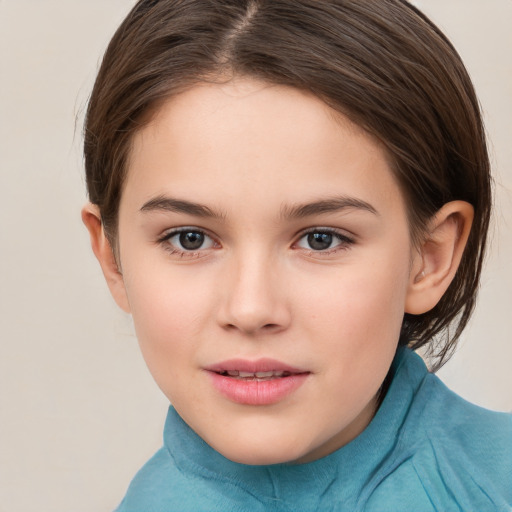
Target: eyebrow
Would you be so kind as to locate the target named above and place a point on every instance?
(329, 205)
(169, 204)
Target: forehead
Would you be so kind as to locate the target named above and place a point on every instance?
(248, 139)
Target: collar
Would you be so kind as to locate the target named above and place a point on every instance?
(351, 465)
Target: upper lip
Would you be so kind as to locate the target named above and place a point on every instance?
(259, 365)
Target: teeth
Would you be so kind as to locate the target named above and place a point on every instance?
(255, 375)
(262, 375)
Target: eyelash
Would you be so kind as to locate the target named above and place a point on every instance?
(183, 253)
(344, 242)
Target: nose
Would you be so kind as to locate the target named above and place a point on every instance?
(253, 297)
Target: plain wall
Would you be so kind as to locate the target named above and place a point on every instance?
(79, 411)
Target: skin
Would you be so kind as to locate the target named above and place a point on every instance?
(252, 154)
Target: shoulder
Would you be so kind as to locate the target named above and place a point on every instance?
(467, 437)
(450, 422)
(157, 475)
(454, 454)
(438, 414)
(161, 485)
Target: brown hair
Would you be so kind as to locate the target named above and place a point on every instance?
(380, 62)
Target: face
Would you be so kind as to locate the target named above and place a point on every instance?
(265, 256)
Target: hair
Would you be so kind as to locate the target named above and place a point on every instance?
(381, 63)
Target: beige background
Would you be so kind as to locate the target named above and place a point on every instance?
(79, 412)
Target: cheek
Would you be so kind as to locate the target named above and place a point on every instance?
(358, 298)
(356, 318)
(169, 311)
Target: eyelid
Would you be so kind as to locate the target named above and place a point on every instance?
(344, 238)
(172, 232)
(183, 229)
(342, 233)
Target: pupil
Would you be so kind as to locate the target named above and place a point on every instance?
(319, 241)
(191, 240)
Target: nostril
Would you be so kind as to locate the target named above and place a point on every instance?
(271, 328)
(266, 328)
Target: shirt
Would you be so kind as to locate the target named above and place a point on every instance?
(426, 449)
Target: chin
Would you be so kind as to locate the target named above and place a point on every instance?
(259, 454)
(258, 458)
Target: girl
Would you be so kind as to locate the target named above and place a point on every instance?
(288, 197)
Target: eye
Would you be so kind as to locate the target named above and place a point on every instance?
(188, 240)
(323, 240)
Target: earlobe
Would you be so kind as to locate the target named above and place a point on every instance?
(103, 251)
(437, 259)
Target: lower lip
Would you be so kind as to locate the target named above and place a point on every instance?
(257, 392)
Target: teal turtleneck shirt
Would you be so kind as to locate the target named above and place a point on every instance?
(425, 450)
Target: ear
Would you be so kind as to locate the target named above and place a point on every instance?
(103, 251)
(437, 259)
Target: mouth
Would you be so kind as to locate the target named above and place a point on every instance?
(262, 382)
(257, 376)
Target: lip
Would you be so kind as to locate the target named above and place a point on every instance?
(259, 365)
(256, 392)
